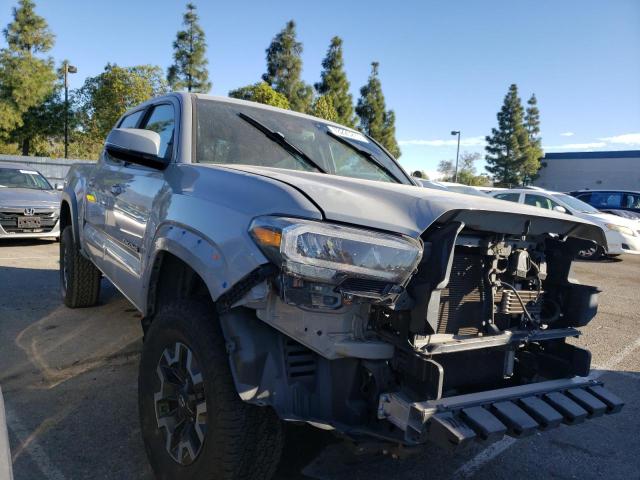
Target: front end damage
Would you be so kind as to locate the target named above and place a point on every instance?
(471, 344)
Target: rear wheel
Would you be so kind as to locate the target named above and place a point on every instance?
(193, 423)
(79, 278)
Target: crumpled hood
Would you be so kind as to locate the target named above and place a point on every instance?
(29, 198)
(410, 210)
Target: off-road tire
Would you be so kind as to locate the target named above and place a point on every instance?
(82, 285)
(242, 441)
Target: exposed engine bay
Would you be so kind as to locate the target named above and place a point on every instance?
(482, 312)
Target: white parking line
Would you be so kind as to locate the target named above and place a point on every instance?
(469, 468)
(25, 258)
(492, 451)
(37, 454)
(615, 360)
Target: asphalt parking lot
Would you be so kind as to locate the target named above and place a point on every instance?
(69, 381)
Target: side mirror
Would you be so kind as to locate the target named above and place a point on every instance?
(135, 145)
(58, 187)
(559, 208)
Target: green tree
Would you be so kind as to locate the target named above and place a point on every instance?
(261, 92)
(467, 173)
(26, 80)
(189, 70)
(333, 82)
(534, 154)
(42, 129)
(508, 145)
(284, 68)
(375, 120)
(323, 108)
(447, 169)
(105, 97)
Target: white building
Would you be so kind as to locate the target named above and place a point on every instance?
(616, 170)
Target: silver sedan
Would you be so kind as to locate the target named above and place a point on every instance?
(29, 205)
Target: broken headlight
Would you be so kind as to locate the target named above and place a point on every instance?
(326, 252)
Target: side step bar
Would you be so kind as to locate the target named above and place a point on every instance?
(515, 411)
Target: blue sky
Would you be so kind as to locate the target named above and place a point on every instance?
(443, 65)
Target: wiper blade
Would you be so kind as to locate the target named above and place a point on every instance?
(368, 155)
(280, 139)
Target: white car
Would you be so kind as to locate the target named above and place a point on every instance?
(623, 235)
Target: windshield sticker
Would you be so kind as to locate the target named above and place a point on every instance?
(343, 132)
(29, 172)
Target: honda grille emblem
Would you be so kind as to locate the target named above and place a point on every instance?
(29, 212)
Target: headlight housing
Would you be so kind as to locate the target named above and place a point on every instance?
(620, 229)
(328, 253)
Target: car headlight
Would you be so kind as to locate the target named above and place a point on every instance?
(328, 252)
(621, 229)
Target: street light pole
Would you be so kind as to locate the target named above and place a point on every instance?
(67, 69)
(455, 175)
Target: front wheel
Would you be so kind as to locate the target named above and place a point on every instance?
(592, 253)
(194, 424)
(79, 278)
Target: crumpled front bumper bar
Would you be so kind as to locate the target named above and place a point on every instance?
(515, 411)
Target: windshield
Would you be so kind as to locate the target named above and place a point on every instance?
(575, 204)
(18, 178)
(223, 136)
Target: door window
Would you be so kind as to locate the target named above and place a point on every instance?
(162, 121)
(606, 199)
(131, 121)
(511, 197)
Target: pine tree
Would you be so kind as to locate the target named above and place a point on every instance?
(375, 120)
(532, 124)
(284, 68)
(189, 70)
(389, 134)
(25, 79)
(334, 83)
(508, 145)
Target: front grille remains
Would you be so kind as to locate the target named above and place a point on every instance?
(364, 285)
(462, 301)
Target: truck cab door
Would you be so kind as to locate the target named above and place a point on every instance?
(102, 187)
(135, 193)
(99, 202)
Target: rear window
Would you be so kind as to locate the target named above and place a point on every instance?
(511, 197)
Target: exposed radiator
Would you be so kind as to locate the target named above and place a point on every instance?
(462, 301)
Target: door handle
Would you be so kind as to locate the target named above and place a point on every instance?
(116, 189)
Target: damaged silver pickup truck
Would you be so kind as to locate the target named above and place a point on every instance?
(288, 269)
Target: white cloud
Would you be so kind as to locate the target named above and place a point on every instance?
(567, 134)
(626, 139)
(575, 146)
(464, 142)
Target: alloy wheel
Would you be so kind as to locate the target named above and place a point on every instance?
(180, 403)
